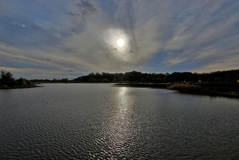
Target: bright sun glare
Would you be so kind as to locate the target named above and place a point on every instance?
(120, 42)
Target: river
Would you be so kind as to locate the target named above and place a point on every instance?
(100, 121)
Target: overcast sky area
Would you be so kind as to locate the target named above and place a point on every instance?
(70, 38)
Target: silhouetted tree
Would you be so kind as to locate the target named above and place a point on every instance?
(7, 78)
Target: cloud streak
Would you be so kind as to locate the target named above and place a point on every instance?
(64, 38)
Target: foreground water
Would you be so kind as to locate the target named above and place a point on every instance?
(98, 121)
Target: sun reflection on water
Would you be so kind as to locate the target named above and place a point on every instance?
(123, 101)
(118, 128)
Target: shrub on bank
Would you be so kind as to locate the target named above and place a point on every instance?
(191, 88)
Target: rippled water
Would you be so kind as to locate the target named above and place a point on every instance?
(98, 121)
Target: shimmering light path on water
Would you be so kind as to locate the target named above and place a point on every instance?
(98, 121)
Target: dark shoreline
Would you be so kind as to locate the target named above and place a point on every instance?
(194, 88)
(146, 85)
(17, 87)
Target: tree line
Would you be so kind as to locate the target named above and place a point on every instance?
(231, 76)
(214, 82)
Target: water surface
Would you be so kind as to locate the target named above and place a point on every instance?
(99, 121)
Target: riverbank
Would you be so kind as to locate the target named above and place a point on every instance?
(147, 85)
(211, 89)
(18, 87)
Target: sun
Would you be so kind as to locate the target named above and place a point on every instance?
(120, 42)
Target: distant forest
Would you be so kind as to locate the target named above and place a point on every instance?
(231, 76)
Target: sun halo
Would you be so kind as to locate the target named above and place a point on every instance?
(120, 42)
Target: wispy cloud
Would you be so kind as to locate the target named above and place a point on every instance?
(70, 37)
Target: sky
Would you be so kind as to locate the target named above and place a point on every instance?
(70, 38)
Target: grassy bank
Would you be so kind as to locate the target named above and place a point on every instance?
(212, 89)
(147, 85)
